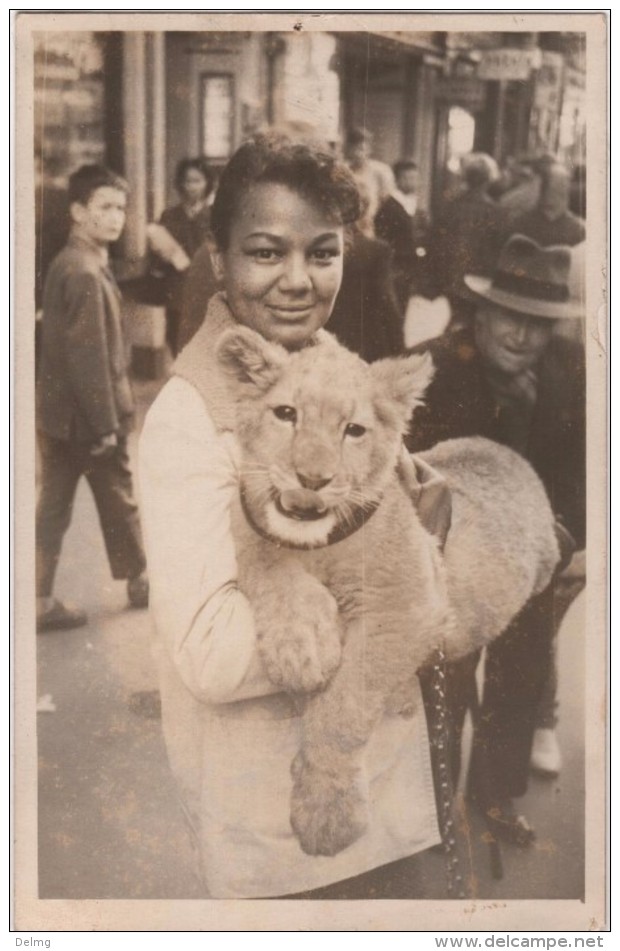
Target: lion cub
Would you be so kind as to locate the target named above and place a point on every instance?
(350, 593)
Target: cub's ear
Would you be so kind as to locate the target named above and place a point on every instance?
(401, 385)
(250, 359)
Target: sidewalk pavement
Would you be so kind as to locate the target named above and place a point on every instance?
(110, 825)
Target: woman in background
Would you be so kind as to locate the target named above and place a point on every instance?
(188, 224)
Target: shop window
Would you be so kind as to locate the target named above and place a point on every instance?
(69, 98)
(217, 115)
(461, 133)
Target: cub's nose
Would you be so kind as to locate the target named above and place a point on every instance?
(313, 482)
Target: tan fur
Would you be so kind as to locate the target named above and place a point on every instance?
(347, 625)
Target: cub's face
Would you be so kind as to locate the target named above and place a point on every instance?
(320, 431)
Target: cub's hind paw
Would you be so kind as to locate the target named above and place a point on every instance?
(329, 810)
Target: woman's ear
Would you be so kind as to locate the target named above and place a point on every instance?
(250, 359)
(77, 212)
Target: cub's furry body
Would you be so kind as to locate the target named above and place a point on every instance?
(345, 624)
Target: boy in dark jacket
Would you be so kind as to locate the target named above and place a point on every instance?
(84, 402)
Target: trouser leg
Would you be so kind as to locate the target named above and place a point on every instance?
(60, 472)
(112, 486)
(547, 717)
(517, 669)
(564, 593)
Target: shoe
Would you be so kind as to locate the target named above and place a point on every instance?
(503, 822)
(546, 757)
(138, 591)
(61, 617)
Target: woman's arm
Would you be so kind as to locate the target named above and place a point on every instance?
(187, 481)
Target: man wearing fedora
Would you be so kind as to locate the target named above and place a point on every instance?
(510, 378)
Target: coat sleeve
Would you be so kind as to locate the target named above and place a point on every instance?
(87, 351)
(187, 481)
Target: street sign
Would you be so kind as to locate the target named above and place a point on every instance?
(508, 63)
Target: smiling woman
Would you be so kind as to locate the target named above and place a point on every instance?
(279, 221)
(281, 269)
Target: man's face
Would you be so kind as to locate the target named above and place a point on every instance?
(510, 342)
(102, 219)
(407, 181)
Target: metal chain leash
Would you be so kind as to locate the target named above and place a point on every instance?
(440, 742)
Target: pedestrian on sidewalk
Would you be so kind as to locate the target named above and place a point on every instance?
(188, 224)
(510, 378)
(467, 237)
(406, 227)
(84, 402)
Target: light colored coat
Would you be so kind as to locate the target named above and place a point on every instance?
(230, 738)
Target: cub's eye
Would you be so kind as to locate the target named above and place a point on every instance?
(287, 414)
(355, 430)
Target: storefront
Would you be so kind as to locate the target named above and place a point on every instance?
(388, 87)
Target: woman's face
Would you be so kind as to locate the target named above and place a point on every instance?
(283, 265)
(194, 185)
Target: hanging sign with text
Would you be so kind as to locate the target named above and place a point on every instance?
(508, 63)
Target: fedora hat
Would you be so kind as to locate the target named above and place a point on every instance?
(530, 279)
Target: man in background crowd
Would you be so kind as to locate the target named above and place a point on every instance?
(510, 378)
(467, 236)
(405, 226)
(374, 178)
(550, 221)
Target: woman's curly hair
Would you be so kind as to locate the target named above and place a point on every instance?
(307, 169)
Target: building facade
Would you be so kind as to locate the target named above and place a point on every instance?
(142, 101)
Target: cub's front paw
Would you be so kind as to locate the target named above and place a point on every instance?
(329, 808)
(300, 644)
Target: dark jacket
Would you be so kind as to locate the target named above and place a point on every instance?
(190, 233)
(460, 402)
(407, 236)
(467, 239)
(567, 229)
(83, 390)
(366, 317)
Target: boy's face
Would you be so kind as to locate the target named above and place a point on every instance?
(103, 218)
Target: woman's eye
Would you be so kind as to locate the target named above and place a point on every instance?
(264, 254)
(355, 430)
(325, 255)
(287, 414)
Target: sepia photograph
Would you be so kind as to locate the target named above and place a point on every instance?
(310, 444)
